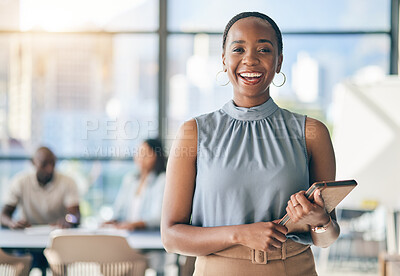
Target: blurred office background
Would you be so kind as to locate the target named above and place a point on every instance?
(92, 79)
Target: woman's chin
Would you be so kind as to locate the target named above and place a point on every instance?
(252, 92)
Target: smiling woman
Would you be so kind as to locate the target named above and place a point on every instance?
(234, 172)
(251, 59)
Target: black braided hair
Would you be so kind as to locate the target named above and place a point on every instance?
(242, 15)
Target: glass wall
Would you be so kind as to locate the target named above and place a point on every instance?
(324, 43)
(80, 78)
(290, 15)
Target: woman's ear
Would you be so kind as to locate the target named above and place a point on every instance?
(223, 63)
(280, 60)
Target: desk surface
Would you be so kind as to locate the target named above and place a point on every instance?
(40, 239)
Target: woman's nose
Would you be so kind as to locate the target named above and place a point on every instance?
(250, 58)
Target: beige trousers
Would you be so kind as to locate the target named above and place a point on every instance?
(289, 262)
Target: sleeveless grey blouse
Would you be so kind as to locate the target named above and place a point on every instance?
(249, 162)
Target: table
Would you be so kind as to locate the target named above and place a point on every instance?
(25, 239)
(36, 239)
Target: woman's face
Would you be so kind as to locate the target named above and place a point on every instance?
(145, 158)
(251, 57)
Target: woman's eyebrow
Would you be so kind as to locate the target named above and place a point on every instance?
(237, 42)
(263, 40)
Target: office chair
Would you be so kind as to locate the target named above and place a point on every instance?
(94, 255)
(14, 265)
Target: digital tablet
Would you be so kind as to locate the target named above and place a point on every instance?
(333, 192)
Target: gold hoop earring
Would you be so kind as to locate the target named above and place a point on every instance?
(284, 80)
(219, 81)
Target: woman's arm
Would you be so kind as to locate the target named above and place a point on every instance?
(150, 207)
(177, 234)
(123, 196)
(322, 167)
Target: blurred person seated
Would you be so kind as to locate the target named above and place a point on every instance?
(139, 200)
(44, 195)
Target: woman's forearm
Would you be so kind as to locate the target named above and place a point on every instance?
(328, 237)
(197, 241)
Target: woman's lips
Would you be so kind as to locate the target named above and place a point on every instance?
(250, 78)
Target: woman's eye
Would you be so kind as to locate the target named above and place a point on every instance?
(237, 50)
(264, 50)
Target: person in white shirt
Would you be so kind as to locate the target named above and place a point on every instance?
(44, 195)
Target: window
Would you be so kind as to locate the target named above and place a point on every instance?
(83, 77)
(324, 43)
(290, 15)
(83, 81)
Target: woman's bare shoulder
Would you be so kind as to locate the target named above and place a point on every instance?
(188, 130)
(317, 136)
(185, 144)
(315, 129)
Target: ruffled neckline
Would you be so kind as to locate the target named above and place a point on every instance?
(250, 113)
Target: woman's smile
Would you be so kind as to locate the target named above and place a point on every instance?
(250, 78)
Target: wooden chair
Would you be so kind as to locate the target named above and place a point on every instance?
(14, 265)
(106, 255)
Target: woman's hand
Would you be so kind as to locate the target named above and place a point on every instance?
(125, 225)
(131, 226)
(266, 236)
(109, 223)
(299, 208)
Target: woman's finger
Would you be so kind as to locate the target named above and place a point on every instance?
(318, 198)
(275, 243)
(292, 212)
(294, 201)
(303, 200)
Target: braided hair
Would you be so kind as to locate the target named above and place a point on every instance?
(242, 15)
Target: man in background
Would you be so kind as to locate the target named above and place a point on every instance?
(44, 195)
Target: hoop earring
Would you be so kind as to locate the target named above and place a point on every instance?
(219, 81)
(284, 80)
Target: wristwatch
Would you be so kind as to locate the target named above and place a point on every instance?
(321, 229)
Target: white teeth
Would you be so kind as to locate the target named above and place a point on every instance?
(251, 75)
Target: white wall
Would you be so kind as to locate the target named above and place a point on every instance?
(366, 138)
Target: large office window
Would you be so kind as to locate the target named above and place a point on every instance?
(324, 43)
(81, 78)
(290, 15)
(91, 79)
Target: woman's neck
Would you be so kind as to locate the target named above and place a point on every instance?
(142, 182)
(243, 101)
(144, 174)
